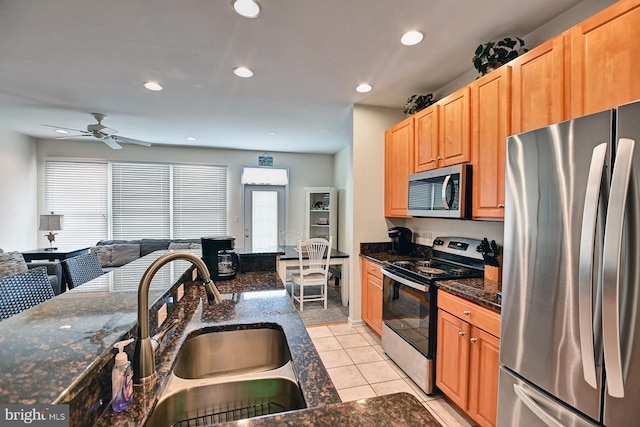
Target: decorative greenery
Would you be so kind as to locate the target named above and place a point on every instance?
(492, 55)
(416, 103)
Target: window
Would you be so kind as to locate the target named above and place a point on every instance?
(79, 191)
(146, 200)
(140, 200)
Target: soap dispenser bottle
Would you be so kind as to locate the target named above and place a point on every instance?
(121, 379)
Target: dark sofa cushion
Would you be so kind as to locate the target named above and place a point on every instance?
(151, 245)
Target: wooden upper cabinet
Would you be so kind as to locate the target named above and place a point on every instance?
(605, 59)
(454, 129)
(539, 94)
(491, 124)
(426, 138)
(398, 165)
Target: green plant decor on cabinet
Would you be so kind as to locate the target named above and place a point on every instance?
(416, 103)
(492, 55)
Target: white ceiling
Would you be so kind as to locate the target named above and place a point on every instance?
(61, 60)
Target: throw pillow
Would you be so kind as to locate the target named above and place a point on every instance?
(12, 263)
(151, 245)
(124, 254)
(104, 254)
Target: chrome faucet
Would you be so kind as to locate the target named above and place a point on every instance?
(144, 367)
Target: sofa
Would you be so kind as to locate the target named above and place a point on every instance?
(115, 253)
(13, 263)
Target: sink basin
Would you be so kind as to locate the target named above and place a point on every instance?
(216, 403)
(236, 352)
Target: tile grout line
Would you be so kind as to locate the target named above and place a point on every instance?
(423, 398)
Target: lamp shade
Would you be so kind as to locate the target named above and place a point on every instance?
(51, 222)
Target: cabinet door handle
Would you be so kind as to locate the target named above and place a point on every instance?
(431, 161)
(466, 312)
(501, 206)
(473, 340)
(439, 158)
(461, 333)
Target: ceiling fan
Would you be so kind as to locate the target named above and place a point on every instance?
(101, 132)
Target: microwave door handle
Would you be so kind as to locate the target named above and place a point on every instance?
(585, 271)
(445, 184)
(613, 239)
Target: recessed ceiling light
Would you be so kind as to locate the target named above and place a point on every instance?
(364, 88)
(62, 131)
(155, 86)
(191, 138)
(273, 132)
(247, 8)
(243, 72)
(411, 37)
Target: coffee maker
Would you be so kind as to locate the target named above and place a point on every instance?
(218, 256)
(400, 240)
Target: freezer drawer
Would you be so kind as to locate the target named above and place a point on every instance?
(520, 404)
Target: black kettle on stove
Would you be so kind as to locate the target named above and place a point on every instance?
(400, 241)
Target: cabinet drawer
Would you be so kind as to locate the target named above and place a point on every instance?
(480, 317)
(372, 268)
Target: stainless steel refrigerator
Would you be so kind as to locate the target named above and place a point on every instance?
(570, 337)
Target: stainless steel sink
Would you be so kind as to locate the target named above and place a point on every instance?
(229, 401)
(224, 353)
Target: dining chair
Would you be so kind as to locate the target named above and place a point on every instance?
(80, 269)
(313, 255)
(23, 291)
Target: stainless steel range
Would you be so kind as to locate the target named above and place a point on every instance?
(409, 304)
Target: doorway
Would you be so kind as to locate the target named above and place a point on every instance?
(264, 215)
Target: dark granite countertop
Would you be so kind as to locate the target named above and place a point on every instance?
(62, 350)
(291, 252)
(399, 409)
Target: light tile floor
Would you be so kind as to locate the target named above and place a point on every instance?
(359, 369)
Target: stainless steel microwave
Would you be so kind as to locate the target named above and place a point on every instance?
(441, 193)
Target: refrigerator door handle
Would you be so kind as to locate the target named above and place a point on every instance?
(536, 408)
(445, 184)
(585, 272)
(613, 240)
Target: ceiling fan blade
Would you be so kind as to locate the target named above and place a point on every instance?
(111, 143)
(131, 141)
(71, 136)
(62, 127)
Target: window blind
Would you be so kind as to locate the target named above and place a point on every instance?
(147, 200)
(78, 190)
(199, 201)
(140, 200)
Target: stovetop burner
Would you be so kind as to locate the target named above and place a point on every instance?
(459, 271)
(430, 271)
(404, 264)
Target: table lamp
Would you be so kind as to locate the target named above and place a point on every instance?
(51, 223)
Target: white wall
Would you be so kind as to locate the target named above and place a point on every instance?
(367, 220)
(18, 207)
(305, 170)
(343, 182)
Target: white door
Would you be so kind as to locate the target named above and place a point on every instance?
(264, 215)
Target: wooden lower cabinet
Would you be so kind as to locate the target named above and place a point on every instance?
(467, 359)
(372, 295)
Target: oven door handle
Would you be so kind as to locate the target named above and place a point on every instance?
(404, 281)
